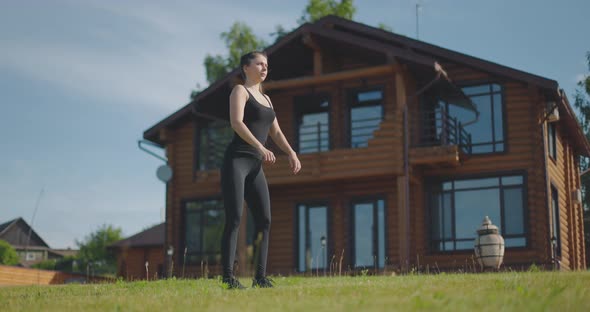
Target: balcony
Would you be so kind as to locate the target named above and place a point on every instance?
(375, 152)
(438, 138)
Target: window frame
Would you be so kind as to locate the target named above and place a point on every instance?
(552, 141)
(351, 240)
(555, 221)
(329, 239)
(183, 239)
(200, 125)
(502, 92)
(298, 112)
(428, 197)
(352, 102)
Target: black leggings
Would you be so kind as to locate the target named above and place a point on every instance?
(242, 177)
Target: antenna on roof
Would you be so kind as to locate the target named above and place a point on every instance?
(32, 221)
(418, 7)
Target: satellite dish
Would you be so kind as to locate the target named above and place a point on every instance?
(164, 173)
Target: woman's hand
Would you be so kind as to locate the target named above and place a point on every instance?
(267, 156)
(294, 163)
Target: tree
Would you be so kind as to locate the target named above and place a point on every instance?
(93, 250)
(8, 255)
(239, 40)
(279, 32)
(385, 27)
(582, 103)
(317, 9)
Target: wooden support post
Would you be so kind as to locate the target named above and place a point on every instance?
(403, 240)
(403, 181)
(309, 41)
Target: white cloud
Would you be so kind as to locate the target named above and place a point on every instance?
(579, 77)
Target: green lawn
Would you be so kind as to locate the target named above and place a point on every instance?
(538, 291)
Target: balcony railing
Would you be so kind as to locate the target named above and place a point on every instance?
(314, 138)
(438, 128)
(361, 131)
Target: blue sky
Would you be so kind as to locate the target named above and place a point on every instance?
(81, 80)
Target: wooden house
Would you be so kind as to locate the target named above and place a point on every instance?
(405, 148)
(141, 256)
(29, 246)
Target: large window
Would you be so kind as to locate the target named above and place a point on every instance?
(487, 134)
(211, 140)
(312, 113)
(552, 141)
(312, 237)
(203, 228)
(555, 228)
(365, 115)
(368, 226)
(457, 208)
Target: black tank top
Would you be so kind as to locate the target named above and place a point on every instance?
(258, 119)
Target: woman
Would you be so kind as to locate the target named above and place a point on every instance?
(253, 118)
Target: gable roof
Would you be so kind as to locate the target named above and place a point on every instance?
(153, 236)
(427, 49)
(397, 46)
(5, 227)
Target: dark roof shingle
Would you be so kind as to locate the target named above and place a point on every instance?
(153, 236)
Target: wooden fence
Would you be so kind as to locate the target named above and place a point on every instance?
(10, 275)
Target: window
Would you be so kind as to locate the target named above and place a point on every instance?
(365, 115)
(30, 256)
(312, 123)
(204, 222)
(555, 228)
(368, 226)
(212, 139)
(552, 141)
(312, 237)
(457, 208)
(487, 134)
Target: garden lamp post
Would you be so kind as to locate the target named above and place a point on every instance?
(170, 252)
(323, 243)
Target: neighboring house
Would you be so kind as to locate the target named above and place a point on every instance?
(29, 246)
(134, 251)
(405, 148)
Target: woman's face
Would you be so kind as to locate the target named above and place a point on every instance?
(257, 69)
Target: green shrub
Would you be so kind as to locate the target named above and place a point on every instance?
(8, 255)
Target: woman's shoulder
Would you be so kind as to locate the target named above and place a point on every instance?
(240, 90)
(239, 87)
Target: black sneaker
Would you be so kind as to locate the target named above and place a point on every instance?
(233, 283)
(263, 282)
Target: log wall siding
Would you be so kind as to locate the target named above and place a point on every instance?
(13, 276)
(339, 163)
(131, 263)
(564, 176)
(331, 176)
(524, 152)
(338, 197)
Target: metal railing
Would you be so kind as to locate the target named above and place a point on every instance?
(438, 128)
(361, 130)
(314, 138)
